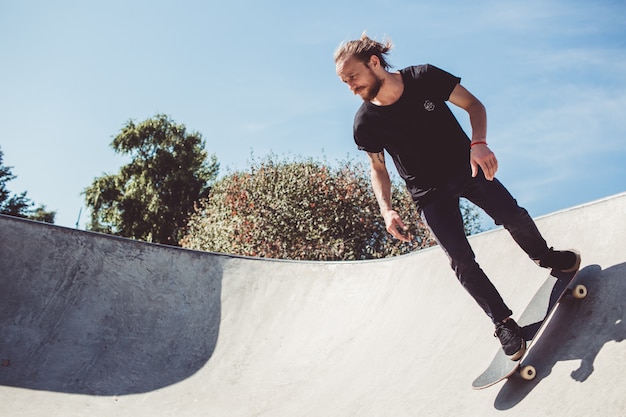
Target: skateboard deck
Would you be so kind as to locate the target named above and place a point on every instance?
(532, 320)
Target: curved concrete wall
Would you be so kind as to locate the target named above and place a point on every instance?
(98, 325)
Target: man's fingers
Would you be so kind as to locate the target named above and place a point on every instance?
(487, 162)
(490, 167)
(397, 228)
(401, 224)
(487, 170)
(400, 236)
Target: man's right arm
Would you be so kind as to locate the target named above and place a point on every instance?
(381, 183)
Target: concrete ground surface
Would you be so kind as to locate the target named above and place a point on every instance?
(93, 325)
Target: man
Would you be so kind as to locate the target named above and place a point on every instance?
(405, 113)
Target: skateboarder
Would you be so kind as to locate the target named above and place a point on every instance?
(405, 113)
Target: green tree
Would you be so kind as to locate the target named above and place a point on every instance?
(151, 197)
(301, 210)
(19, 205)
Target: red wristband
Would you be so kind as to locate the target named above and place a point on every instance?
(477, 143)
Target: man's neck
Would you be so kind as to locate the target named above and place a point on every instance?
(390, 91)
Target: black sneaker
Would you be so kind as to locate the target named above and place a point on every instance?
(561, 260)
(510, 336)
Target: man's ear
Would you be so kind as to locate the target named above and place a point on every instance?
(374, 62)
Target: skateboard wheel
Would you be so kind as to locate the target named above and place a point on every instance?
(528, 372)
(579, 291)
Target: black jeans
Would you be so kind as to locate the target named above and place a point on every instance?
(442, 215)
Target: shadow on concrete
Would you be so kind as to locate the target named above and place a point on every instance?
(105, 316)
(578, 331)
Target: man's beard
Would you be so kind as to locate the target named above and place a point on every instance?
(370, 93)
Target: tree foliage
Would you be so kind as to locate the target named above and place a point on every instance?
(300, 210)
(19, 205)
(151, 197)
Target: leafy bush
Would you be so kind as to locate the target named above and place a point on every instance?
(292, 209)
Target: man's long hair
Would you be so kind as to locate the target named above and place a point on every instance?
(362, 49)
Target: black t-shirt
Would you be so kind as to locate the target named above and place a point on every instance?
(426, 142)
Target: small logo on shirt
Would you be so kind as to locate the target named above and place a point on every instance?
(429, 105)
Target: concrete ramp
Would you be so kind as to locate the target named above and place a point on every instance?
(93, 325)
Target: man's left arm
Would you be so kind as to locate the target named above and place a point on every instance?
(480, 155)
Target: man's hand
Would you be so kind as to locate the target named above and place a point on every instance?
(396, 226)
(482, 156)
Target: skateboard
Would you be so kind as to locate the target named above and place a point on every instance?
(532, 322)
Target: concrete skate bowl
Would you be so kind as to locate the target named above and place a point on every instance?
(91, 314)
(98, 325)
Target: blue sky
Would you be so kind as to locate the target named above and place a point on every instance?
(258, 77)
